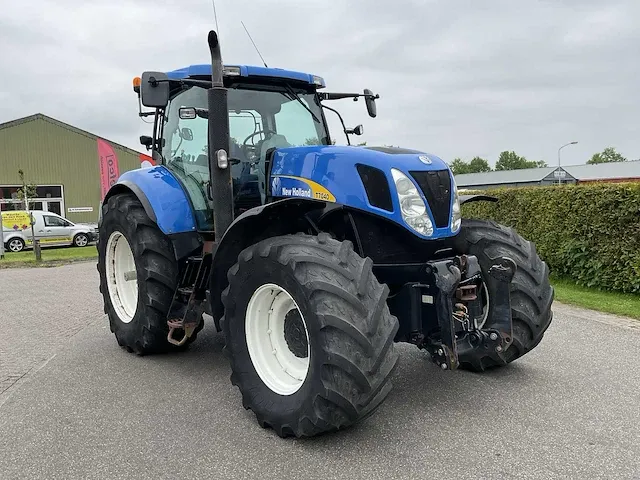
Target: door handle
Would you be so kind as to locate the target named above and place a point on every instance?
(47, 230)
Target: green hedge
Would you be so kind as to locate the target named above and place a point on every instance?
(588, 232)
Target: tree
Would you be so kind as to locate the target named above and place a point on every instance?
(316, 141)
(513, 161)
(26, 192)
(608, 155)
(476, 165)
(479, 165)
(459, 166)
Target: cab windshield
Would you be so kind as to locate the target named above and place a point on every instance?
(259, 120)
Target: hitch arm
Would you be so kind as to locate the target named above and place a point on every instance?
(495, 335)
(446, 276)
(498, 285)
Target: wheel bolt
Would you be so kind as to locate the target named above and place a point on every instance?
(444, 366)
(440, 352)
(498, 349)
(493, 336)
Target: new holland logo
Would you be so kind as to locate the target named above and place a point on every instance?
(425, 159)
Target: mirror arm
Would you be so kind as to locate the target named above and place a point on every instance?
(344, 127)
(181, 82)
(340, 96)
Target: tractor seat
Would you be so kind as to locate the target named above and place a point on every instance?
(274, 141)
(202, 160)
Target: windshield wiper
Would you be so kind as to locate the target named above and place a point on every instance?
(295, 95)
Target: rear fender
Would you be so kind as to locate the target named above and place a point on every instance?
(164, 201)
(281, 217)
(162, 197)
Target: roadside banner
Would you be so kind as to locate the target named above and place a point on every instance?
(12, 220)
(109, 172)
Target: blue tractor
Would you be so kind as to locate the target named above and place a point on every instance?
(312, 259)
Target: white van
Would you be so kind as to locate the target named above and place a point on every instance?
(49, 228)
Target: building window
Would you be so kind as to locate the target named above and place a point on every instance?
(49, 198)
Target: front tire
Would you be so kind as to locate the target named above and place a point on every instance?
(531, 293)
(340, 330)
(138, 275)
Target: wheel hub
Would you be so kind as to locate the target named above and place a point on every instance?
(295, 334)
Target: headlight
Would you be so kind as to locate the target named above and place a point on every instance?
(412, 207)
(456, 212)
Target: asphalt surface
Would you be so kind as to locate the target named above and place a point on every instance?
(75, 405)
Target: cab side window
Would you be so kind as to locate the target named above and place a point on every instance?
(51, 221)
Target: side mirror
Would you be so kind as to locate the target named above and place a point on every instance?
(154, 89)
(186, 134)
(370, 101)
(359, 130)
(187, 113)
(146, 140)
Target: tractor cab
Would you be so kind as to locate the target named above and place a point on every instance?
(267, 109)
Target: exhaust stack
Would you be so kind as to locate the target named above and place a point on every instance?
(220, 188)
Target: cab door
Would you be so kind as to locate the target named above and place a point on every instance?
(57, 230)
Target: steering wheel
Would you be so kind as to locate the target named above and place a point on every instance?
(251, 151)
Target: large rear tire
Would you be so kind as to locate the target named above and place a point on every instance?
(531, 293)
(138, 274)
(312, 306)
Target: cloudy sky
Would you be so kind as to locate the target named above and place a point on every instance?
(456, 78)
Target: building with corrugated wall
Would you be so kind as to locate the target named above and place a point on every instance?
(529, 177)
(70, 167)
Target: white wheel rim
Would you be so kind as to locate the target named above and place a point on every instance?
(15, 245)
(81, 240)
(277, 366)
(122, 283)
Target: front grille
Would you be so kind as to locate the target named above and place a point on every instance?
(436, 186)
(376, 185)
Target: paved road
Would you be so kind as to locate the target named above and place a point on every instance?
(75, 405)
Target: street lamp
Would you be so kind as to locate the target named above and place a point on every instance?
(565, 145)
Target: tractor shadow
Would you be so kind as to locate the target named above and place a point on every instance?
(423, 395)
(426, 398)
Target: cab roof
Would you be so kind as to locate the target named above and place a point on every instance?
(200, 70)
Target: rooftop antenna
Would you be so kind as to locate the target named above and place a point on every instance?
(215, 16)
(254, 44)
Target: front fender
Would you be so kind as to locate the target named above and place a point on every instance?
(162, 196)
(281, 217)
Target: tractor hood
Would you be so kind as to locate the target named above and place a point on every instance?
(361, 177)
(293, 159)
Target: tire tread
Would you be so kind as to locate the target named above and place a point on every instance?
(356, 330)
(531, 292)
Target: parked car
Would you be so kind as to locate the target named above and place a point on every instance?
(49, 228)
